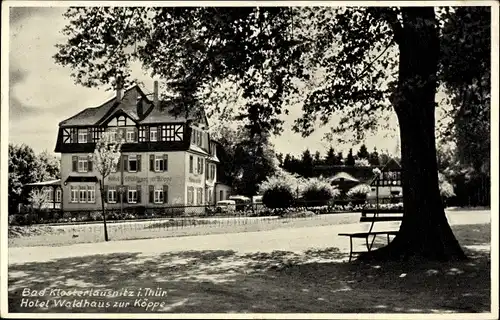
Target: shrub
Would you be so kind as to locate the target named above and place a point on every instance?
(319, 192)
(445, 187)
(359, 193)
(277, 191)
(279, 197)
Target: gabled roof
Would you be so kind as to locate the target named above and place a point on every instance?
(133, 98)
(392, 165)
(345, 176)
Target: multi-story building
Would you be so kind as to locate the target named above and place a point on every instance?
(167, 159)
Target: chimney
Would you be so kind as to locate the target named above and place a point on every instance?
(155, 94)
(119, 88)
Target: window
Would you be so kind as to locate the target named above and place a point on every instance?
(111, 194)
(114, 135)
(132, 195)
(159, 164)
(130, 135)
(190, 164)
(83, 194)
(190, 196)
(158, 197)
(48, 194)
(82, 135)
(83, 164)
(211, 175)
(153, 134)
(199, 195)
(132, 163)
(209, 196)
(200, 165)
(91, 194)
(121, 121)
(221, 195)
(58, 195)
(170, 133)
(193, 136)
(142, 134)
(74, 194)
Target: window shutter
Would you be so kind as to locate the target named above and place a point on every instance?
(138, 163)
(105, 194)
(151, 162)
(126, 194)
(74, 138)
(138, 194)
(90, 164)
(151, 194)
(147, 138)
(89, 135)
(136, 136)
(165, 194)
(75, 163)
(165, 162)
(207, 171)
(125, 163)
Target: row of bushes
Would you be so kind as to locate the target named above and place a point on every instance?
(278, 192)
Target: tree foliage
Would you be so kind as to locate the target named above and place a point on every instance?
(37, 198)
(465, 74)
(27, 167)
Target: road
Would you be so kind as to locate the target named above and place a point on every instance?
(286, 239)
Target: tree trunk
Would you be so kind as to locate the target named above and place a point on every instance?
(106, 238)
(424, 232)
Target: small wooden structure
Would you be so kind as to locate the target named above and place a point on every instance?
(389, 176)
(53, 190)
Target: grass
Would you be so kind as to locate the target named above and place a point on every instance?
(207, 281)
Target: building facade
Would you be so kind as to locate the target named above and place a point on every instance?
(167, 159)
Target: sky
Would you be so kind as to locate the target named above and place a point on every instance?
(42, 94)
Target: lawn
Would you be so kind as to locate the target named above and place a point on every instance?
(256, 281)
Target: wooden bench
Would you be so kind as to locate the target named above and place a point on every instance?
(371, 215)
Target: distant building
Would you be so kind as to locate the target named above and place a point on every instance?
(346, 177)
(166, 159)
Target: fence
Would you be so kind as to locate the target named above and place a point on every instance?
(298, 208)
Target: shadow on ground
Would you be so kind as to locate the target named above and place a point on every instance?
(280, 281)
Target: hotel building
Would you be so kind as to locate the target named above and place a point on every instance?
(166, 159)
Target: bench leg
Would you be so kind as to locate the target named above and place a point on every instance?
(350, 251)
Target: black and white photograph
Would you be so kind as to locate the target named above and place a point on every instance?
(262, 159)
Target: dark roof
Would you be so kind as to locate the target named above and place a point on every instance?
(81, 179)
(392, 165)
(165, 113)
(134, 104)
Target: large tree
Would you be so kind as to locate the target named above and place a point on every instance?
(27, 167)
(363, 63)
